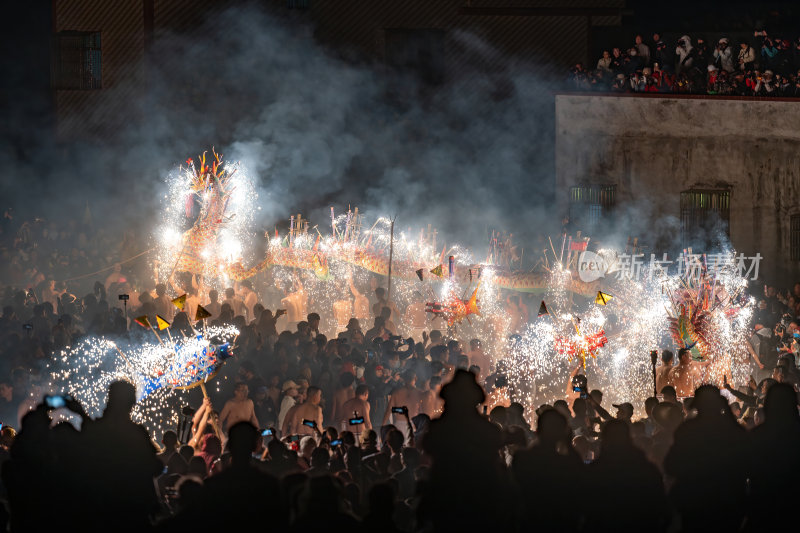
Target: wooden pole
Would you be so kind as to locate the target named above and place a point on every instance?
(214, 421)
(391, 254)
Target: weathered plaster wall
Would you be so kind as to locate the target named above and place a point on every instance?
(653, 148)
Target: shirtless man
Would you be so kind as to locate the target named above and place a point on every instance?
(308, 410)
(360, 303)
(415, 317)
(295, 303)
(115, 276)
(164, 307)
(51, 294)
(236, 303)
(431, 404)
(687, 375)
(479, 358)
(342, 309)
(390, 326)
(250, 298)
(213, 306)
(406, 395)
(192, 301)
(663, 371)
(342, 395)
(383, 301)
(355, 407)
(238, 409)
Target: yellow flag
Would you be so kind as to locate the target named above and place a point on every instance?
(201, 313)
(179, 302)
(162, 324)
(602, 298)
(437, 271)
(142, 321)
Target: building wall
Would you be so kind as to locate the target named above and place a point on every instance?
(549, 33)
(652, 148)
(99, 112)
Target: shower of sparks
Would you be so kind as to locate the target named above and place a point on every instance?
(222, 217)
(635, 322)
(86, 370)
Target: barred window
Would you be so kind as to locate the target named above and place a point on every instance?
(794, 237)
(705, 216)
(590, 204)
(77, 60)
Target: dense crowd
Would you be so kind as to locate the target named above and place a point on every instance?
(369, 428)
(764, 65)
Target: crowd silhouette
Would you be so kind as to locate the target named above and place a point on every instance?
(465, 474)
(373, 431)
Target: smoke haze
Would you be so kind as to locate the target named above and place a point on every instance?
(472, 153)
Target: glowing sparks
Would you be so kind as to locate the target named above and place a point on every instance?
(86, 370)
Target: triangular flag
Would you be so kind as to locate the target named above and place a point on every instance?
(543, 309)
(143, 321)
(201, 313)
(162, 324)
(180, 302)
(602, 298)
(437, 271)
(419, 274)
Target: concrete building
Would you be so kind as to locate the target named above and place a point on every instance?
(670, 168)
(102, 50)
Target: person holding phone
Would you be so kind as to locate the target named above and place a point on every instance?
(355, 407)
(407, 395)
(310, 410)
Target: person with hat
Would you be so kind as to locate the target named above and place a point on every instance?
(624, 411)
(723, 56)
(465, 488)
(289, 392)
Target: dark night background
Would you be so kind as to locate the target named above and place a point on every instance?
(467, 145)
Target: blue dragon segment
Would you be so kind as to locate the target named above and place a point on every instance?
(191, 364)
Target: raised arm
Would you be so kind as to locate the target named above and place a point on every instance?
(194, 442)
(198, 415)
